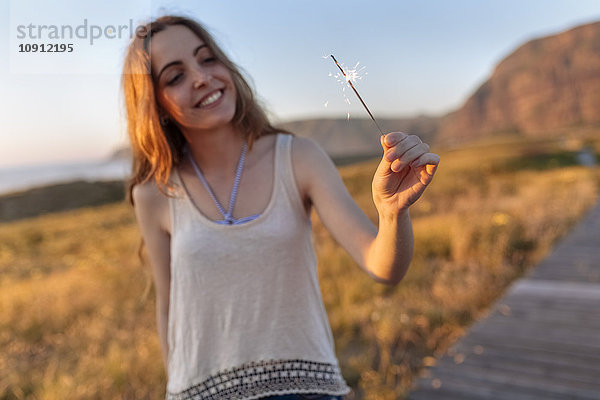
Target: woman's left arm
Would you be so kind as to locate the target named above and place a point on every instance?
(404, 172)
(406, 169)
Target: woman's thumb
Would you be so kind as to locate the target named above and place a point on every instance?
(385, 166)
(382, 140)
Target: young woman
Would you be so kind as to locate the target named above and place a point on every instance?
(223, 201)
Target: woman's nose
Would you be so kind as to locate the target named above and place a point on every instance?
(200, 77)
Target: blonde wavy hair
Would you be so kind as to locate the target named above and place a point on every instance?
(157, 148)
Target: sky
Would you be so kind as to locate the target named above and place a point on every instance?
(419, 57)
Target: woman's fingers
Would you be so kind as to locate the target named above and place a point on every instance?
(403, 155)
(401, 150)
(429, 160)
(388, 143)
(397, 143)
(393, 138)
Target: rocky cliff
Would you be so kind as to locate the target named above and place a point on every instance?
(545, 87)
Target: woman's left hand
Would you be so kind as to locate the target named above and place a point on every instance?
(405, 171)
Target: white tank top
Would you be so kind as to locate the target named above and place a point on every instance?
(246, 317)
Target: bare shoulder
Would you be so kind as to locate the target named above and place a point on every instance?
(308, 154)
(151, 204)
(147, 194)
(312, 166)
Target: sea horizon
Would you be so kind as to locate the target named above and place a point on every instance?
(20, 178)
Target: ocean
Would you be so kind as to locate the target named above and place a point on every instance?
(14, 179)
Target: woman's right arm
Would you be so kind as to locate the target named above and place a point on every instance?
(152, 214)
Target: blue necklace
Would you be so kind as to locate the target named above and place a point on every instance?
(227, 215)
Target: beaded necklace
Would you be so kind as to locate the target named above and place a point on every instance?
(227, 215)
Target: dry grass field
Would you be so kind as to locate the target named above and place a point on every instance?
(77, 307)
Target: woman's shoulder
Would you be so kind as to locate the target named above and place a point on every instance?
(151, 203)
(308, 155)
(305, 145)
(310, 163)
(146, 193)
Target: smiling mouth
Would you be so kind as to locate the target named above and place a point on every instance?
(210, 99)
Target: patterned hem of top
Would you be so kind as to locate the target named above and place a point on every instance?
(265, 378)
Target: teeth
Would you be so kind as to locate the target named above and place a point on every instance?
(211, 99)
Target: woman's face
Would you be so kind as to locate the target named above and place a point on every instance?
(192, 86)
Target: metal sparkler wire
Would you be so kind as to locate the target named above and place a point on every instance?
(357, 95)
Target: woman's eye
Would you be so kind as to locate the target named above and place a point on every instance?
(174, 79)
(208, 60)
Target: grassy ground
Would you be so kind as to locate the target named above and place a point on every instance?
(77, 308)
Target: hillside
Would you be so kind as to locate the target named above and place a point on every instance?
(344, 138)
(547, 86)
(59, 197)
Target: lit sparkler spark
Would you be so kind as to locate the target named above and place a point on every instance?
(352, 76)
(348, 74)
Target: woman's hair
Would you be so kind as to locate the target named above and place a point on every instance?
(157, 148)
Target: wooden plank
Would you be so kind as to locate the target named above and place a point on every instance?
(586, 265)
(540, 341)
(544, 303)
(457, 390)
(581, 274)
(572, 246)
(582, 243)
(539, 327)
(517, 381)
(570, 290)
(565, 333)
(551, 316)
(481, 389)
(515, 374)
(574, 362)
(491, 362)
(508, 306)
(526, 344)
(569, 267)
(525, 300)
(569, 254)
(580, 277)
(545, 319)
(444, 394)
(547, 341)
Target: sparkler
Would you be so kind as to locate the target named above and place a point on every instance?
(349, 80)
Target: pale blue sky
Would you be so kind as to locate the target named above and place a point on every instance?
(421, 57)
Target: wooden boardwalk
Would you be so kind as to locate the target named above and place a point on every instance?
(542, 338)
